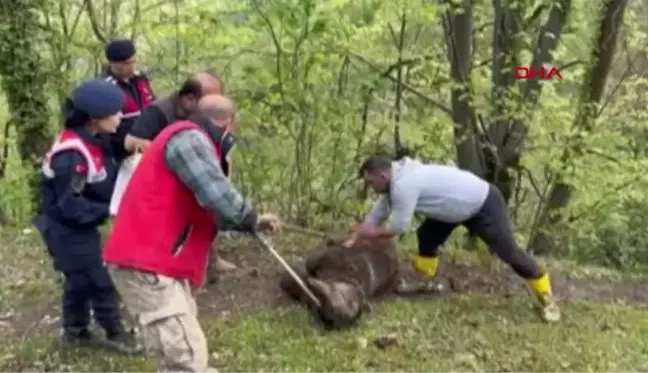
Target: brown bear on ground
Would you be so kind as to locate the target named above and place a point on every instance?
(344, 279)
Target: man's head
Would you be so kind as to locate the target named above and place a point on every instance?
(219, 109)
(377, 172)
(120, 54)
(198, 85)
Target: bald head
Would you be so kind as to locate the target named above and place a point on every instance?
(200, 84)
(210, 82)
(197, 85)
(218, 108)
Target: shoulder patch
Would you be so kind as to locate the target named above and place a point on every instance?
(81, 169)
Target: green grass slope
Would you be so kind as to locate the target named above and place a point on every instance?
(457, 333)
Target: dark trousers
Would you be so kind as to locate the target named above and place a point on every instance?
(492, 224)
(86, 289)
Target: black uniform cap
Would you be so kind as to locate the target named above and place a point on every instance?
(120, 50)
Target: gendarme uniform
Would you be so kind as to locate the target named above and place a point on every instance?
(78, 177)
(137, 89)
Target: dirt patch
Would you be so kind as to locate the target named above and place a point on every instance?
(256, 285)
(459, 278)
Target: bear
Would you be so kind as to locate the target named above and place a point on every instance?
(344, 279)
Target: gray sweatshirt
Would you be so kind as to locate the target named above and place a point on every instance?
(439, 192)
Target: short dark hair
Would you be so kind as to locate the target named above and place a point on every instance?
(191, 86)
(374, 164)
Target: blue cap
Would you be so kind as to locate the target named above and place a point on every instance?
(98, 98)
(120, 50)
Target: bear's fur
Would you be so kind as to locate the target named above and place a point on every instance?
(344, 279)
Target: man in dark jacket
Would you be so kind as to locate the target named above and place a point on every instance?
(180, 105)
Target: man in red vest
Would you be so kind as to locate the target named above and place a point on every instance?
(175, 203)
(136, 86)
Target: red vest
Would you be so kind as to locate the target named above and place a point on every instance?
(131, 109)
(70, 140)
(161, 227)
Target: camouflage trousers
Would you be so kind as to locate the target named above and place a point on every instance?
(166, 313)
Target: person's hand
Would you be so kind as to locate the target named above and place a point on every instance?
(136, 144)
(364, 230)
(349, 242)
(141, 145)
(269, 222)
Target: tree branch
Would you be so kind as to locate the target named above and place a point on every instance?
(94, 23)
(405, 86)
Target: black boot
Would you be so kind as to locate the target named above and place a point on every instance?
(79, 337)
(123, 341)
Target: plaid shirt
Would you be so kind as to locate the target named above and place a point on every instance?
(190, 155)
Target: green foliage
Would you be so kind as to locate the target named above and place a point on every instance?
(23, 80)
(316, 87)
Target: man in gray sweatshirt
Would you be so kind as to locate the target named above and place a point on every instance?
(447, 197)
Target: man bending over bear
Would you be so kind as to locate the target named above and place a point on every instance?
(447, 197)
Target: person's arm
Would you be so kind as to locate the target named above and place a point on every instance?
(379, 211)
(146, 127)
(403, 197)
(190, 155)
(70, 175)
(133, 144)
(374, 218)
(118, 139)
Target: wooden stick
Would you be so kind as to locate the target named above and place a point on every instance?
(287, 267)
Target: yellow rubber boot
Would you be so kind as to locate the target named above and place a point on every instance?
(426, 265)
(541, 287)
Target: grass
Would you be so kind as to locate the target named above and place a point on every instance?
(25, 270)
(454, 333)
(459, 333)
(27, 276)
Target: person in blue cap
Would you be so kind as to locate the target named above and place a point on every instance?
(79, 172)
(138, 92)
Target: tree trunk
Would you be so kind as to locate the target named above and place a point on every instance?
(507, 134)
(507, 29)
(23, 81)
(494, 153)
(458, 25)
(593, 88)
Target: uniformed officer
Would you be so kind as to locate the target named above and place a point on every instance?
(79, 172)
(138, 92)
